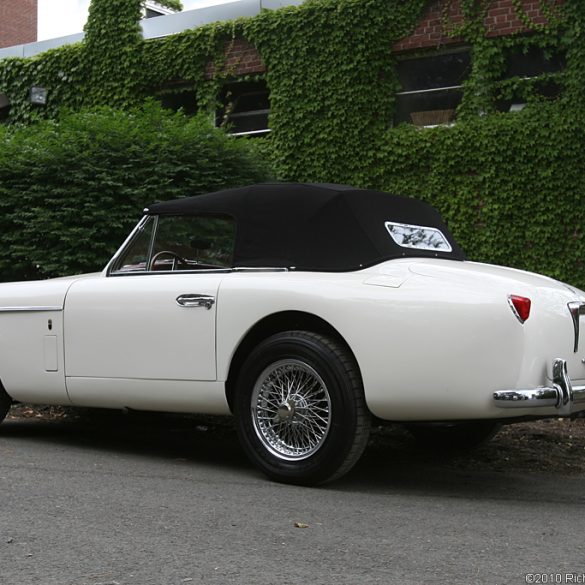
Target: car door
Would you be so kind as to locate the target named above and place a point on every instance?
(142, 328)
(151, 316)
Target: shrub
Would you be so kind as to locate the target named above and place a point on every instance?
(70, 190)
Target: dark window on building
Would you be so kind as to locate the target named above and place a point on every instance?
(246, 106)
(180, 97)
(4, 107)
(537, 69)
(432, 88)
(150, 13)
(532, 62)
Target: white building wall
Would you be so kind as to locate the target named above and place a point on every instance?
(60, 18)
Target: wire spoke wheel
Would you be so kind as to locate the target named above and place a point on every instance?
(300, 409)
(291, 409)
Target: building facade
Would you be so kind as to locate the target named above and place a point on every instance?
(473, 105)
(433, 65)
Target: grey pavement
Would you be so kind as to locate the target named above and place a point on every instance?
(161, 502)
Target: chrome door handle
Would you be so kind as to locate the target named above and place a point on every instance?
(196, 301)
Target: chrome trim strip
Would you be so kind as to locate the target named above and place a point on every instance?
(200, 271)
(514, 310)
(30, 309)
(175, 272)
(579, 394)
(526, 398)
(577, 308)
(153, 236)
(259, 269)
(562, 395)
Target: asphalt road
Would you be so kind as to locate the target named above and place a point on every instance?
(124, 501)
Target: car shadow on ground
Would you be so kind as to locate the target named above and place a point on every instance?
(208, 440)
(528, 461)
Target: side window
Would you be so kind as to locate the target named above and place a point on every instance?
(180, 243)
(135, 258)
(193, 242)
(418, 236)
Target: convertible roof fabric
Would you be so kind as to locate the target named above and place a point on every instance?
(317, 227)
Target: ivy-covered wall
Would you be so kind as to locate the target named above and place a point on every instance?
(508, 183)
(510, 186)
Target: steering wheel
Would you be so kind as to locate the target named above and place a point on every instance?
(176, 259)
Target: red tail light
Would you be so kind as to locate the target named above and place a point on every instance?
(520, 306)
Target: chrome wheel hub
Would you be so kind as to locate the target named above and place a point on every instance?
(291, 409)
(286, 411)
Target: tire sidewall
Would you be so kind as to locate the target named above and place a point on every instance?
(330, 456)
(5, 403)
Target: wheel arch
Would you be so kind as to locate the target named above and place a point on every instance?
(270, 325)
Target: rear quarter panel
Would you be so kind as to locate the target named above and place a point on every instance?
(428, 348)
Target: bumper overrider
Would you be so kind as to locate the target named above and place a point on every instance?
(562, 395)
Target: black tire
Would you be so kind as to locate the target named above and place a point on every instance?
(318, 431)
(5, 403)
(456, 436)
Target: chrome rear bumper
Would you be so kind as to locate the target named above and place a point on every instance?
(562, 395)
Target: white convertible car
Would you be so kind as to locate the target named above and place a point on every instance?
(304, 310)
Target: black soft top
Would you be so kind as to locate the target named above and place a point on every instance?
(317, 227)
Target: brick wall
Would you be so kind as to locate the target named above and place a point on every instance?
(501, 20)
(18, 22)
(241, 58)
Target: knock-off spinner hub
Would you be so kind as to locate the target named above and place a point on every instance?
(288, 410)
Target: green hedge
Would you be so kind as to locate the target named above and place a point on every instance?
(71, 190)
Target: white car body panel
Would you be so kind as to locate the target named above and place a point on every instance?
(132, 327)
(429, 349)
(182, 396)
(433, 338)
(27, 347)
(31, 339)
(130, 345)
(43, 293)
